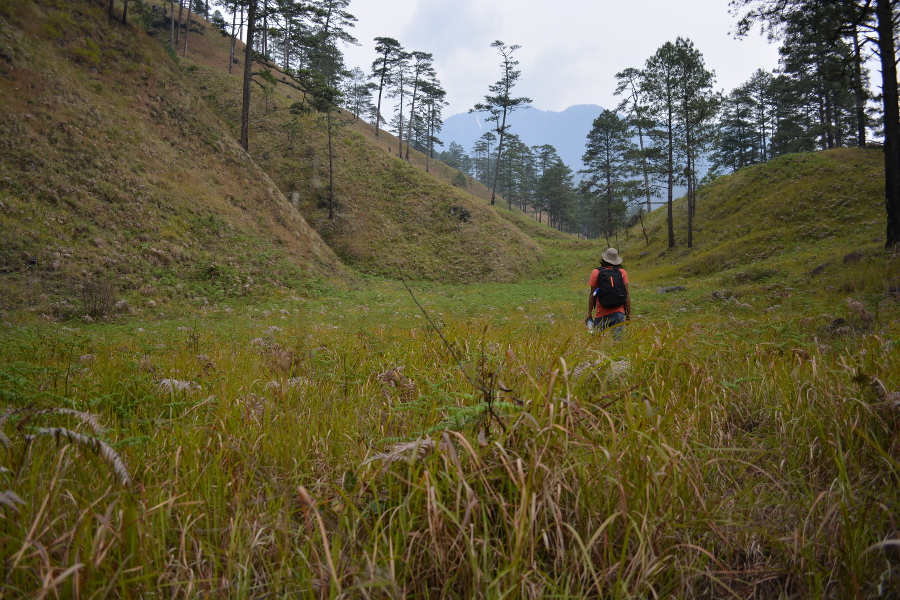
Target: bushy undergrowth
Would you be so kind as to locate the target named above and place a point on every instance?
(274, 453)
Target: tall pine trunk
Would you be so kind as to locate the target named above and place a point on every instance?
(248, 74)
(887, 52)
(690, 175)
(644, 165)
(671, 170)
(287, 47)
(762, 132)
(330, 171)
(265, 29)
(178, 29)
(429, 147)
(823, 139)
(609, 218)
(412, 115)
(187, 30)
(690, 203)
(400, 120)
(380, 89)
(499, 152)
(233, 39)
(858, 85)
(124, 12)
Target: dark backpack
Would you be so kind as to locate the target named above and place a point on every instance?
(610, 292)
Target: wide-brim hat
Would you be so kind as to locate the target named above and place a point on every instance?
(612, 256)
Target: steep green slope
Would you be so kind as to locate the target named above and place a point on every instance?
(387, 212)
(114, 175)
(803, 219)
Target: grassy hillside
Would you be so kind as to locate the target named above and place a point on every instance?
(115, 177)
(804, 220)
(334, 445)
(387, 213)
(211, 49)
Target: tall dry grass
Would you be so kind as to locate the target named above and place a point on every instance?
(709, 459)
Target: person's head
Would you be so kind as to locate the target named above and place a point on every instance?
(611, 258)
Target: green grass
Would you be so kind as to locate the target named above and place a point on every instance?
(725, 451)
(122, 175)
(776, 223)
(329, 443)
(388, 213)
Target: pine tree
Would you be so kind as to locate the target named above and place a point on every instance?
(432, 108)
(515, 172)
(632, 84)
(556, 190)
(501, 104)
(697, 108)
(661, 81)
(399, 79)
(684, 106)
(389, 51)
(845, 18)
(358, 93)
(455, 156)
(738, 138)
(545, 157)
(421, 70)
(332, 22)
(608, 164)
(482, 155)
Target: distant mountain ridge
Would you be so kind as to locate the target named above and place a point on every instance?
(566, 131)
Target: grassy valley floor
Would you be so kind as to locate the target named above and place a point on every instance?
(337, 446)
(248, 412)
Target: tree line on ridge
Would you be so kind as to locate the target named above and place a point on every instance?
(671, 129)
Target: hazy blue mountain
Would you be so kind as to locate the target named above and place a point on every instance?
(566, 131)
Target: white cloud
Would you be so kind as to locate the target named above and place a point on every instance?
(571, 49)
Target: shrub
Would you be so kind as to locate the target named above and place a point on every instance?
(98, 299)
(90, 54)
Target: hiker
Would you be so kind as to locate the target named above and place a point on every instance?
(609, 293)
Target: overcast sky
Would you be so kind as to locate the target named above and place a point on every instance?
(570, 49)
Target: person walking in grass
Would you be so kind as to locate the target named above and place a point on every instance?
(609, 295)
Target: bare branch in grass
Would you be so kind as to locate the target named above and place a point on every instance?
(487, 391)
(4, 417)
(440, 334)
(311, 503)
